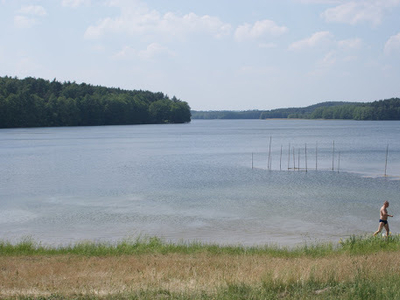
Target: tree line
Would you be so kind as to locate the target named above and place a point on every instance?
(388, 109)
(33, 102)
(226, 114)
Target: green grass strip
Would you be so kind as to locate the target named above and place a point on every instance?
(153, 245)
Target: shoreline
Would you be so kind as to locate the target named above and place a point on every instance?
(354, 245)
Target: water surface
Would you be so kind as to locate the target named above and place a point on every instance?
(210, 181)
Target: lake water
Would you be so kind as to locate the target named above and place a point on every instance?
(222, 181)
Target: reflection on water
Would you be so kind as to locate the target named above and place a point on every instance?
(196, 182)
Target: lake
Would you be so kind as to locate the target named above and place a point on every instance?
(248, 182)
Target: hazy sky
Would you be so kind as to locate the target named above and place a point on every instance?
(214, 54)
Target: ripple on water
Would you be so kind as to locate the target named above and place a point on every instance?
(16, 216)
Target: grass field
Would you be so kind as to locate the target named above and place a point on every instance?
(148, 268)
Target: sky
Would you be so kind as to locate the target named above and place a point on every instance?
(213, 54)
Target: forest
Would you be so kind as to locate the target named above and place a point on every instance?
(33, 102)
(388, 109)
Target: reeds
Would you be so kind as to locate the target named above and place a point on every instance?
(147, 268)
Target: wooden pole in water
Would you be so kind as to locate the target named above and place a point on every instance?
(288, 162)
(305, 154)
(333, 155)
(269, 153)
(387, 152)
(294, 160)
(298, 160)
(316, 156)
(280, 160)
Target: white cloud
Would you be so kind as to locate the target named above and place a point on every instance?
(350, 44)
(329, 59)
(338, 52)
(94, 32)
(28, 16)
(33, 10)
(75, 3)
(393, 44)
(317, 39)
(126, 53)
(259, 29)
(354, 12)
(137, 18)
(152, 50)
(191, 22)
(324, 66)
(24, 22)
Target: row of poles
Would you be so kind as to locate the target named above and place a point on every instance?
(292, 153)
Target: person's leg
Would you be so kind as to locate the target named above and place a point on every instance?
(379, 228)
(387, 229)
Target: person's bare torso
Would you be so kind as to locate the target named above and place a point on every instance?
(384, 215)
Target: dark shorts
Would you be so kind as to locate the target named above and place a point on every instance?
(383, 221)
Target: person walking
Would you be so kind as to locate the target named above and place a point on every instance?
(383, 221)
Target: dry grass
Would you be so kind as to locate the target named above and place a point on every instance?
(22, 276)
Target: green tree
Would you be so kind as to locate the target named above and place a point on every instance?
(180, 112)
(116, 110)
(160, 111)
(68, 113)
(37, 102)
(92, 110)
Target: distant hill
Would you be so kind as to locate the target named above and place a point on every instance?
(32, 102)
(388, 109)
(303, 112)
